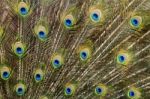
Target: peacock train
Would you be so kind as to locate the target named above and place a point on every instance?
(74, 49)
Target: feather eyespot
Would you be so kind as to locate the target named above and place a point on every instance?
(85, 53)
(23, 11)
(95, 15)
(20, 89)
(133, 93)
(23, 8)
(100, 90)
(41, 32)
(69, 21)
(135, 21)
(57, 61)
(19, 49)
(5, 72)
(123, 58)
(69, 89)
(38, 76)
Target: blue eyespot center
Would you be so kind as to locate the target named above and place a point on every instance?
(41, 34)
(38, 77)
(83, 55)
(95, 16)
(23, 11)
(20, 90)
(121, 58)
(68, 22)
(56, 62)
(135, 22)
(5, 74)
(98, 90)
(68, 90)
(19, 50)
(131, 94)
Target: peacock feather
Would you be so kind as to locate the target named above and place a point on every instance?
(74, 49)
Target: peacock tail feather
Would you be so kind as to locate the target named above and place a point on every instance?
(74, 49)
